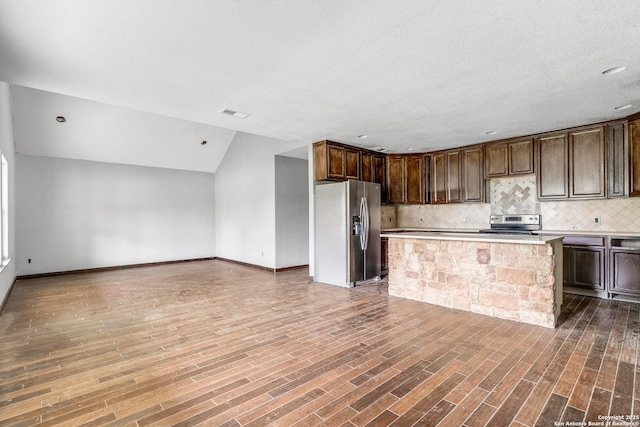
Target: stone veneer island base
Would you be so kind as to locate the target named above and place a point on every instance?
(510, 277)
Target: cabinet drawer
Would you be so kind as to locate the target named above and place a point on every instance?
(583, 240)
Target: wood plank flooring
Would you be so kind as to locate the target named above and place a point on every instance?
(217, 344)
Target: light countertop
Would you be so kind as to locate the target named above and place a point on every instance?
(471, 237)
(536, 233)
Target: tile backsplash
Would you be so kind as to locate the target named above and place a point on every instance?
(455, 215)
(513, 195)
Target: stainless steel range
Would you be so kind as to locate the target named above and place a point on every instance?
(514, 224)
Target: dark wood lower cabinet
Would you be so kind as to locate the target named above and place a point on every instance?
(384, 255)
(625, 272)
(585, 268)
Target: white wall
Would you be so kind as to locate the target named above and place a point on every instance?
(245, 200)
(292, 212)
(8, 274)
(78, 214)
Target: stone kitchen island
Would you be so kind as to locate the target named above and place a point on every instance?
(514, 277)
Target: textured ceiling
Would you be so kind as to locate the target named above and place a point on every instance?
(420, 74)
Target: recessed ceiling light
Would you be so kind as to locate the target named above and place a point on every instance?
(491, 132)
(61, 119)
(236, 114)
(623, 107)
(614, 70)
(408, 149)
(382, 150)
(203, 143)
(363, 136)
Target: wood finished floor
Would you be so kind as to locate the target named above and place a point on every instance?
(213, 343)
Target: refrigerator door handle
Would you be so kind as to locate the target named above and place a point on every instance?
(364, 238)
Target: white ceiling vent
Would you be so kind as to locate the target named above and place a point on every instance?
(237, 114)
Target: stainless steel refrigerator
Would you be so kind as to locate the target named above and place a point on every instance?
(347, 232)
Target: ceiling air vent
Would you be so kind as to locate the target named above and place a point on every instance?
(236, 114)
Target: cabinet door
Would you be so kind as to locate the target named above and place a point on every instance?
(396, 174)
(617, 152)
(454, 176)
(567, 266)
(473, 173)
(634, 157)
(588, 268)
(380, 176)
(335, 162)
(552, 166)
(625, 272)
(438, 178)
(352, 164)
(384, 255)
(586, 163)
(415, 179)
(520, 157)
(496, 160)
(367, 167)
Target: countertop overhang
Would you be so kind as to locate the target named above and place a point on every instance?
(541, 233)
(472, 237)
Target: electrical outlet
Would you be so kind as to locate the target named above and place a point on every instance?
(597, 221)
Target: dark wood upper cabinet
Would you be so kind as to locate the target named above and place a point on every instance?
(634, 157)
(509, 158)
(454, 176)
(396, 177)
(405, 179)
(617, 154)
(374, 170)
(438, 178)
(520, 155)
(587, 157)
(571, 165)
(552, 166)
(368, 170)
(351, 163)
(336, 162)
(415, 179)
(328, 161)
(446, 178)
(473, 174)
(496, 160)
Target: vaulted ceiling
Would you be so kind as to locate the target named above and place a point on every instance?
(420, 74)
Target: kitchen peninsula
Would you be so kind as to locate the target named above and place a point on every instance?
(514, 277)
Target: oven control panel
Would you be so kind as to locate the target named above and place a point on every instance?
(525, 219)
